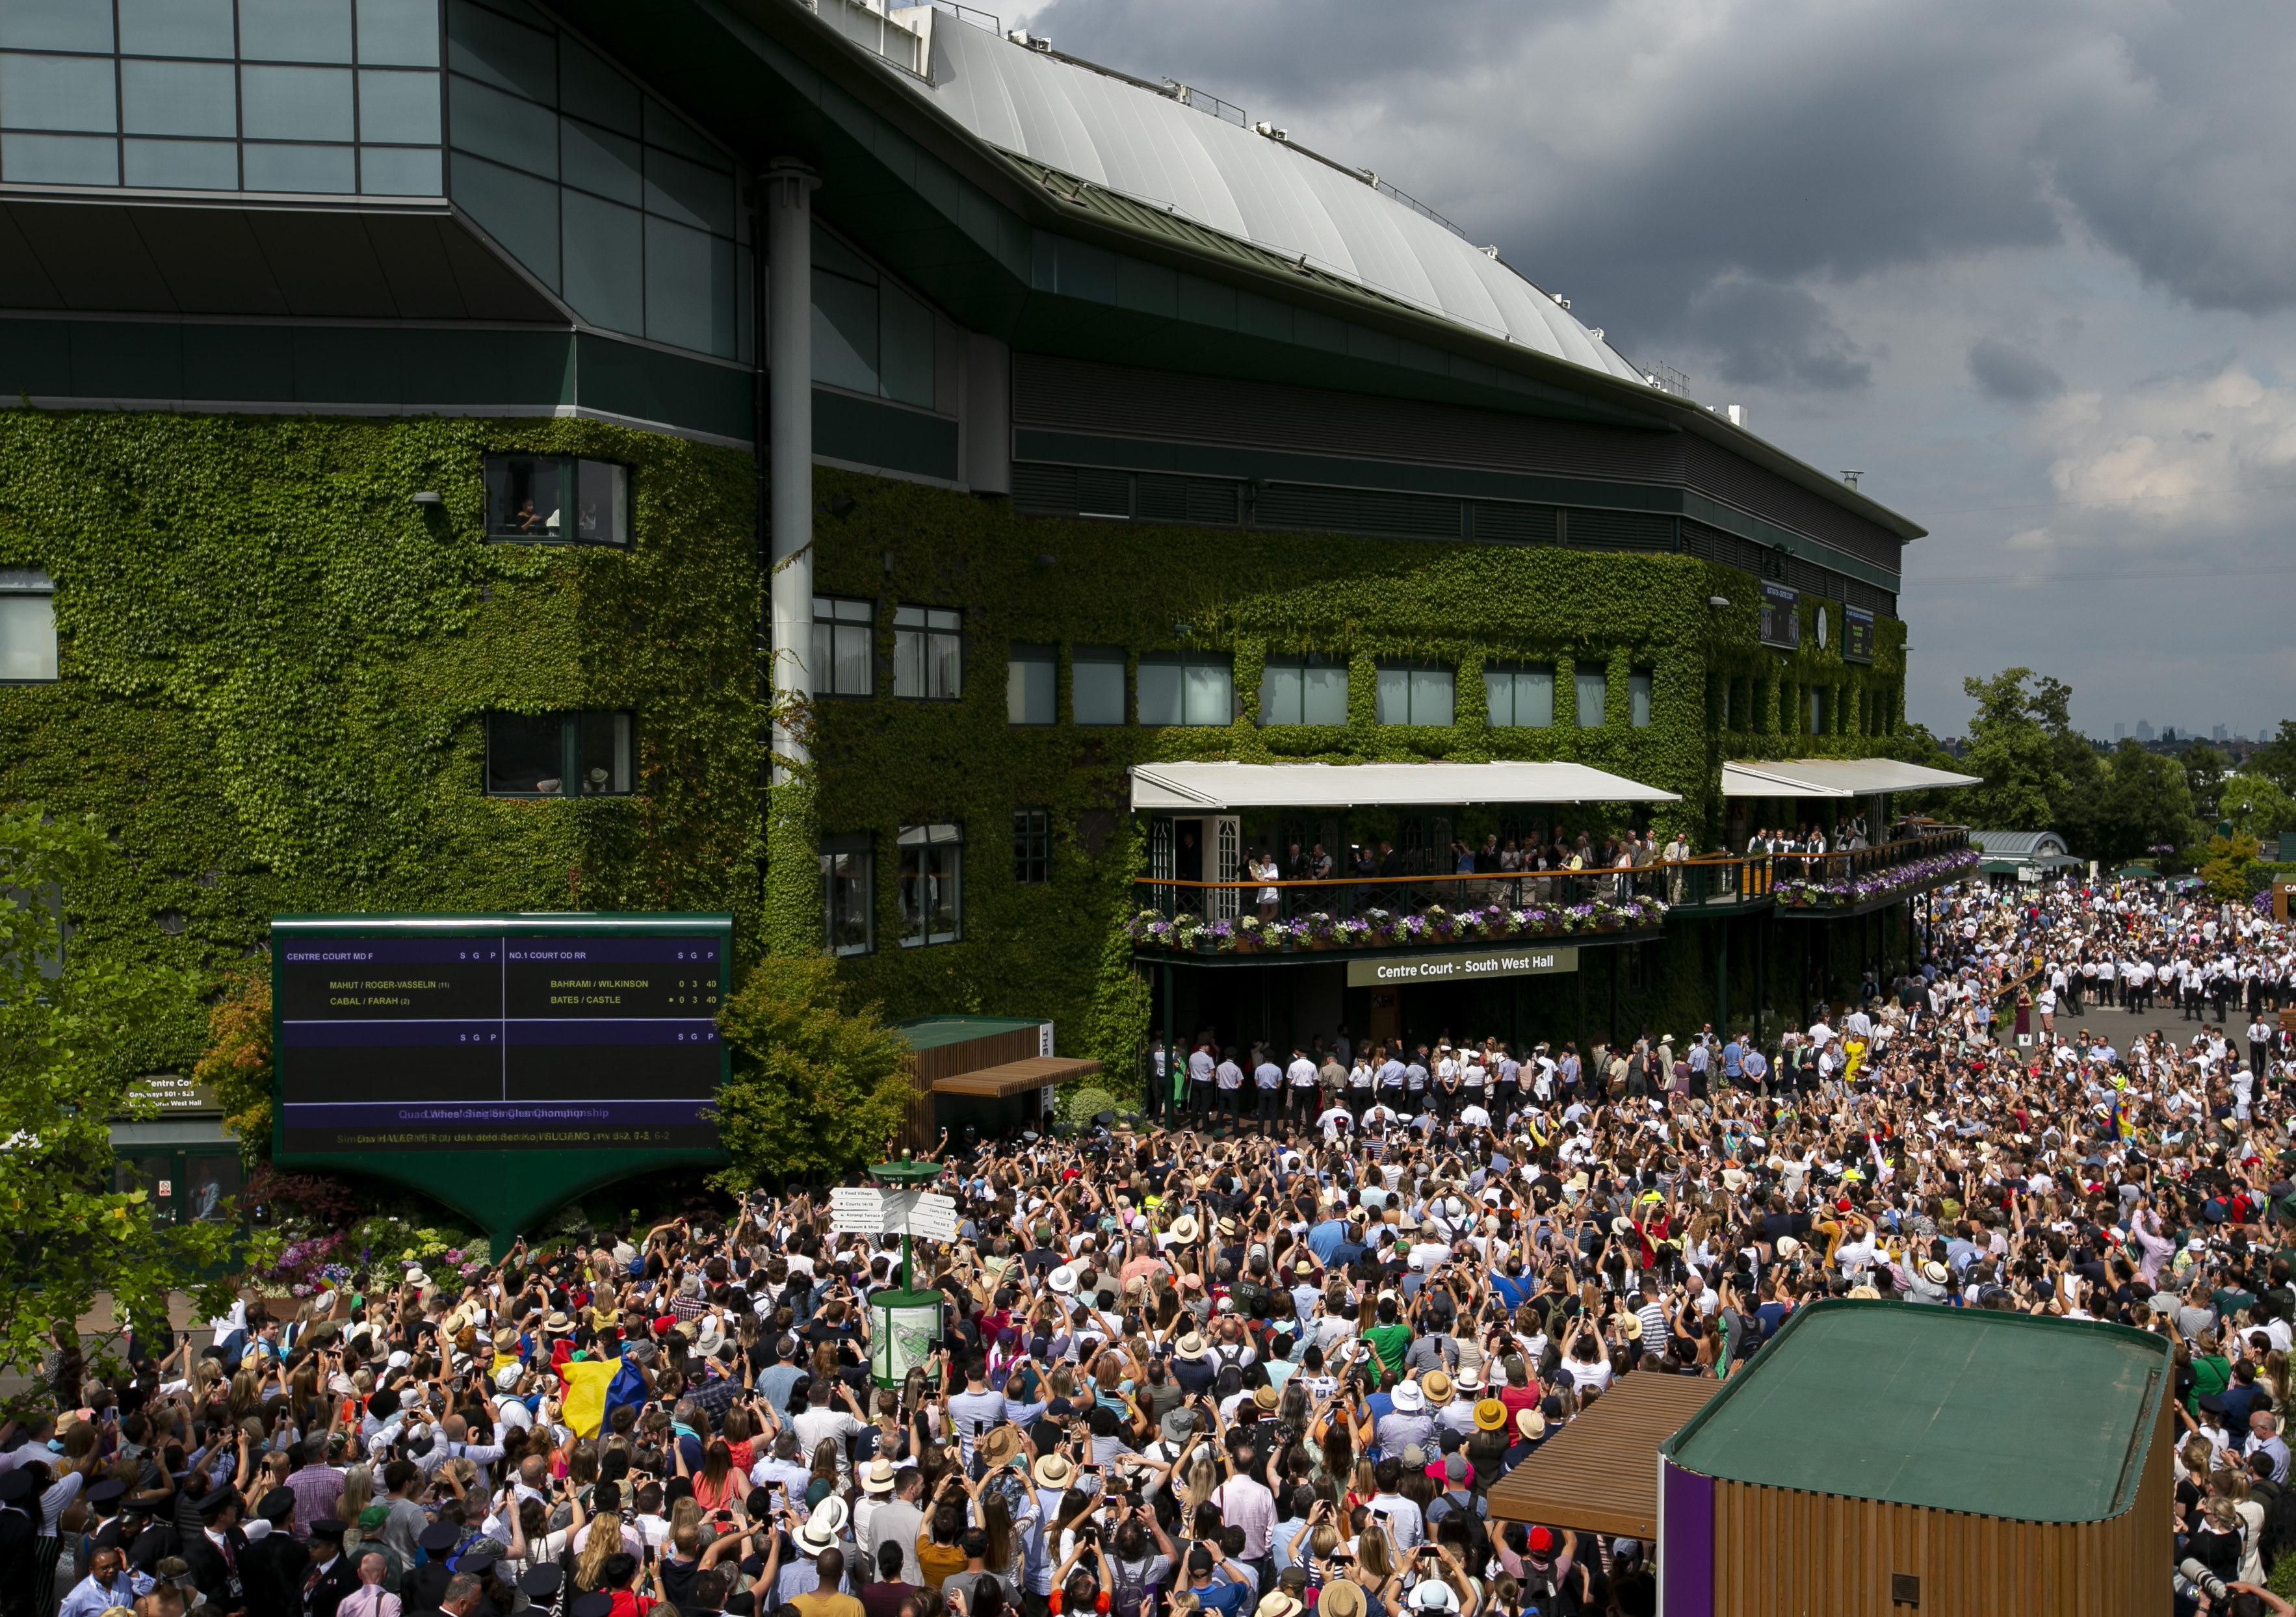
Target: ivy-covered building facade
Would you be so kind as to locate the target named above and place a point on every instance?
(428, 485)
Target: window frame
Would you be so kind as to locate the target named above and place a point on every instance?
(1019, 657)
(836, 625)
(849, 846)
(1081, 657)
(918, 842)
(1513, 671)
(570, 752)
(1301, 666)
(1411, 698)
(1183, 663)
(1032, 847)
(31, 583)
(571, 467)
(1601, 673)
(928, 631)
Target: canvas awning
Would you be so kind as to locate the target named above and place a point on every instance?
(1833, 778)
(1022, 1077)
(1183, 787)
(1599, 1473)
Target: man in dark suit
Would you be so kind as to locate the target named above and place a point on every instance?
(213, 1558)
(330, 1576)
(272, 1567)
(19, 1494)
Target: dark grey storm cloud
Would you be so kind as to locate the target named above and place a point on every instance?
(1683, 160)
(2011, 374)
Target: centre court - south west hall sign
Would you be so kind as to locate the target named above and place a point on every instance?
(1462, 968)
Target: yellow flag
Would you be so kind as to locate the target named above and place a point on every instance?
(587, 1381)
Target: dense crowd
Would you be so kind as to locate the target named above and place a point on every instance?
(1253, 1368)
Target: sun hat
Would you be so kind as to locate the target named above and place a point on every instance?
(1190, 1347)
(1531, 1424)
(1433, 1594)
(999, 1445)
(816, 1535)
(879, 1475)
(1490, 1415)
(1788, 1246)
(1266, 1398)
(1063, 1280)
(1342, 1597)
(1436, 1386)
(1053, 1471)
(1279, 1603)
(1185, 1229)
(1935, 1272)
(1409, 1399)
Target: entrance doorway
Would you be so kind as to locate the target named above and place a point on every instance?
(181, 1187)
(1386, 1024)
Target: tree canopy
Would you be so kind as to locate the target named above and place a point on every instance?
(816, 1089)
(67, 1017)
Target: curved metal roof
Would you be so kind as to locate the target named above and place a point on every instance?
(1147, 145)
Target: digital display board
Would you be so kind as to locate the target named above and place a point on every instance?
(1781, 617)
(499, 1033)
(1857, 634)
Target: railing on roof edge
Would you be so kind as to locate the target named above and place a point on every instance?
(966, 13)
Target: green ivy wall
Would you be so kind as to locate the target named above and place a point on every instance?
(276, 666)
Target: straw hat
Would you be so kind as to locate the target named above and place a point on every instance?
(1342, 1598)
(879, 1475)
(998, 1446)
(1053, 1471)
(1490, 1415)
(1185, 1229)
(1190, 1347)
(1531, 1424)
(1436, 1386)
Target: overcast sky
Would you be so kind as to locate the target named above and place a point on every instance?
(2030, 268)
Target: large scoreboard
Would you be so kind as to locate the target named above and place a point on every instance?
(519, 1032)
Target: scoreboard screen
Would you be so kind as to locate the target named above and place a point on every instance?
(428, 1033)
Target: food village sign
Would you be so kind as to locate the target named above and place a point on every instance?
(1462, 968)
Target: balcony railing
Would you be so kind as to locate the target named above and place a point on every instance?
(1436, 910)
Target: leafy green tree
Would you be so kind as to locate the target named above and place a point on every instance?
(2147, 803)
(2256, 805)
(816, 1089)
(66, 1016)
(2204, 774)
(2230, 862)
(2011, 744)
(2276, 761)
(236, 1064)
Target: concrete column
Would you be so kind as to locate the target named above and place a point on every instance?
(789, 332)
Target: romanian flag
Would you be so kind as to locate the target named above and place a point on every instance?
(596, 1389)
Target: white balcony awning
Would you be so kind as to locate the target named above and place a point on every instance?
(1181, 787)
(1834, 778)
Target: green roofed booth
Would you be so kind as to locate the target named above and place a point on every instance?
(1888, 1457)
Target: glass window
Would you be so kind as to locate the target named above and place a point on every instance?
(928, 653)
(1593, 690)
(60, 160)
(182, 165)
(1097, 684)
(1312, 689)
(27, 626)
(689, 288)
(526, 755)
(844, 648)
(602, 162)
(505, 128)
(494, 50)
(400, 171)
(538, 754)
(1031, 681)
(57, 93)
(518, 210)
(295, 103)
(1032, 847)
(1188, 688)
(1638, 695)
(1816, 710)
(324, 169)
(586, 86)
(398, 33)
(846, 920)
(844, 332)
(296, 30)
(210, 1184)
(55, 25)
(178, 98)
(398, 107)
(904, 347)
(605, 262)
(183, 28)
(689, 192)
(526, 499)
(1519, 696)
(601, 754)
(932, 910)
(1416, 693)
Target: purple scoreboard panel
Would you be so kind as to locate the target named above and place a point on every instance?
(498, 1033)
